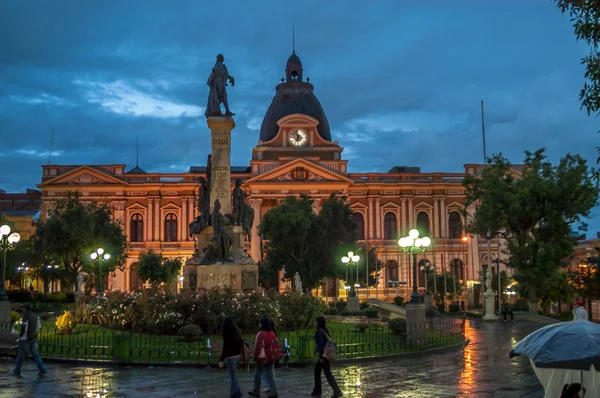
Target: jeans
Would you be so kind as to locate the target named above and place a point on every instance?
(324, 365)
(269, 368)
(31, 346)
(506, 312)
(234, 390)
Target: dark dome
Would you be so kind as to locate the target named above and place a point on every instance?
(294, 96)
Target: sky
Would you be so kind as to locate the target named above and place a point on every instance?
(400, 81)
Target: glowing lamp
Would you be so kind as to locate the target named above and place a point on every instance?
(413, 233)
(4, 230)
(14, 238)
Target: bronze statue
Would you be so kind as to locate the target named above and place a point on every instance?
(217, 81)
(243, 212)
(221, 241)
(203, 219)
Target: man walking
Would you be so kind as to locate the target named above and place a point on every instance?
(507, 310)
(28, 340)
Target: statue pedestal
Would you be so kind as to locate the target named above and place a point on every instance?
(490, 313)
(5, 324)
(220, 176)
(353, 304)
(416, 324)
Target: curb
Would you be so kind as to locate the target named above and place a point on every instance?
(106, 363)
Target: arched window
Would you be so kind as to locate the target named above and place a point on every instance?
(134, 281)
(457, 268)
(359, 221)
(136, 228)
(423, 223)
(170, 228)
(391, 270)
(455, 224)
(389, 226)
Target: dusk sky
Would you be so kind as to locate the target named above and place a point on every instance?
(400, 81)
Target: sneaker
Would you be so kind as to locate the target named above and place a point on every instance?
(266, 390)
(14, 373)
(42, 373)
(254, 394)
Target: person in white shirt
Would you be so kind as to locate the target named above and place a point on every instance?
(579, 312)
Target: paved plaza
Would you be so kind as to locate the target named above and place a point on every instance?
(481, 370)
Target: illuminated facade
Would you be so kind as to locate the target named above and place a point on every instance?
(294, 155)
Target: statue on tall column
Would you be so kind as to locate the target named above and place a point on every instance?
(217, 81)
(243, 212)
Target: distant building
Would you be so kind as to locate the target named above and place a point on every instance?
(294, 155)
(22, 210)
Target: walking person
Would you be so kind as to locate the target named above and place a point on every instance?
(507, 310)
(265, 356)
(30, 327)
(232, 353)
(265, 379)
(579, 311)
(572, 390)
(321, 338)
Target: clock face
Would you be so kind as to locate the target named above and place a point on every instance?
(298, 137)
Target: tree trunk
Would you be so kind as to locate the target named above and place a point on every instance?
(533, 305)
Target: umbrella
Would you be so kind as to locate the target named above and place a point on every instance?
(562, 353)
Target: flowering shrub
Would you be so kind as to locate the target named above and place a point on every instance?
(66, 322)
(299, 311)
(14, 317)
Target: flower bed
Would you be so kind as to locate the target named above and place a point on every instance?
(159, 312)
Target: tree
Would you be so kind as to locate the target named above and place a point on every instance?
(156, 269)
(534, 212)
(437, 285)
(585, 16)
(304, 242)
(375, 266)
(585, 280)
(40, 261)
(74, 229)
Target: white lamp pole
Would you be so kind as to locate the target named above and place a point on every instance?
(99, 256)
(414, 244)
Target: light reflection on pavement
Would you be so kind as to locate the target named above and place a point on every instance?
(483, 369)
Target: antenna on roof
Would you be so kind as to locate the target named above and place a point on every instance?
(293, 39)
(137, 149)
(51, 143)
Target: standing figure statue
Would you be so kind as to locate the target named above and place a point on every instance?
(298, 283)
(203, 219)
(488, 279)
(221, 240)
(243, 212)
(217, 81)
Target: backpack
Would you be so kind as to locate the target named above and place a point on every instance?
(272, 350)
(331, 351)
(245, 357)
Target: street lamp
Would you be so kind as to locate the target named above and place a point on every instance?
(413, 244)
(427, 268)
(22, 270)
(99, 256)
(8, 241)
(350, 260)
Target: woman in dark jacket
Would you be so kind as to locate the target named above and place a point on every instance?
(321, 338)
(232, 352)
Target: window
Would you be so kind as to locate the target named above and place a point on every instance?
(136, 228)
(455, 223)
(457, 269)
(389, 226)
(423, 223)
(134, 282)
(359, 221)
(170, 228)
(391, 269)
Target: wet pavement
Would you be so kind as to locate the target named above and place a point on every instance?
(481, 370)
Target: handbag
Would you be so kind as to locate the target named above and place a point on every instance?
(331, 351)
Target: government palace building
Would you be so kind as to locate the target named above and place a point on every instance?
(294, 155)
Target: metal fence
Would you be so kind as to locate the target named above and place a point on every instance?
(92, 342)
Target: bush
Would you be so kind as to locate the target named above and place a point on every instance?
(454, 307)
(363, 306)
(66, 322)
(398, 326)
(441, 307)
(69, 297)
(298, 311)
(331, 311)
(522, 305)
(371, 312)
(190, 332)
(56, 297)
(19, 296)
(341, 305)
(14, 317)
(399, 301)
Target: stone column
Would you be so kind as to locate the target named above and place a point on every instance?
(370, 234)
(444, 218)
(190, 212)
(378, 233)
(220, 178)
(184, 220)
(436, 217)
(256, 241)
(149, 220)
(403, 213)
(411, 214)
(157, 220)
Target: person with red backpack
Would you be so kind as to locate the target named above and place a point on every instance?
(266, 352)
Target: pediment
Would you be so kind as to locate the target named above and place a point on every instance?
(391, 205)
(171, 206)
(136, 206)
(85, 175)
(358, 205)
(455, 205)
(300, 171)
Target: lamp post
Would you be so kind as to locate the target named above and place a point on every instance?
(413, 244)
(8, 241)
(350, 260)
(22, 270)
(427, 268)
(99, 256)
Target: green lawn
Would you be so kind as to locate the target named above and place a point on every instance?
(94, 342)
